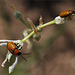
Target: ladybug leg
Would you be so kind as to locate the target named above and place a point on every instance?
(70, 18)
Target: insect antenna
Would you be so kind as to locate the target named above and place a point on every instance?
(24, 58)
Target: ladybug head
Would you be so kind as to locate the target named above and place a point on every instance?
(19, 53)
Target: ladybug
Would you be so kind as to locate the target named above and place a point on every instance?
(67, 13)
(14, 48)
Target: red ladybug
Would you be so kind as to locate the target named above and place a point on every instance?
(13, 48)
(16, 49)
(67, 13)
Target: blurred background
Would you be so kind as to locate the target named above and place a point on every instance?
(54, 53)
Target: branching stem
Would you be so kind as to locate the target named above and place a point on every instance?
(38, 27)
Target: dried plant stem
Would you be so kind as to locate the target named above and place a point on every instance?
(39, 27)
